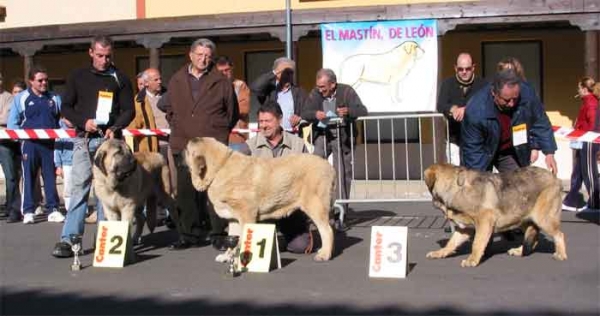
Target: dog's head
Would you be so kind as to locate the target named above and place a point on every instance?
(204, 156)
(115, 161)
(445, 173)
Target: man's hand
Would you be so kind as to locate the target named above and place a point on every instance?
(59, 172)
(109, 134)
(458, 113)
(280, 68)
(321, 115)
(90, 126)
(534, 155)
(551, 163)
(342, 111)
(295, 120)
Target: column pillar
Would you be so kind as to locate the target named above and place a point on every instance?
(153, 44)
(592, 53)
(441, 132)
(27, 50)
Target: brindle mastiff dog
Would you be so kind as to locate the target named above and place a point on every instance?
(125, 182)
(482, 203)
(250, 189)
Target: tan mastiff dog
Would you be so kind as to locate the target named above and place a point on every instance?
(250, 189)
(482, 203)
(125, 182)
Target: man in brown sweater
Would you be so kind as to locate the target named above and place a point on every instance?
(201, 103)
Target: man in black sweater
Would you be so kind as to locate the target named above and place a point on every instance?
(99, 102)
(452, 99)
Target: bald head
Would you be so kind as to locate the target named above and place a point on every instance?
(152, 80)
(464, 68)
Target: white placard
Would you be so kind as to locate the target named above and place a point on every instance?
(112, 244)
(259, 250)
(388, 252)
(104, 106)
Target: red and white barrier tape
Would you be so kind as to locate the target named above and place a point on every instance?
(576, 135)
(559, 132)
(70, 133)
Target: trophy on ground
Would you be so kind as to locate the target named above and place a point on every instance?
(75, 247)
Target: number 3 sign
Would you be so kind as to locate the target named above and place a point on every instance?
(388, 252)
(112, 243)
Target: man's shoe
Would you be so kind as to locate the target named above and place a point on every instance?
(62, 250)
(183, 244)
(56, 217)
(28, 218)
(569, 208)
(13, 219)
(39, 211)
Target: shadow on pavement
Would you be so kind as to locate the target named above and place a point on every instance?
(20, 303)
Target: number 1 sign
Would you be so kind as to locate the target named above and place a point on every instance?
(259, 251)
(388, 252)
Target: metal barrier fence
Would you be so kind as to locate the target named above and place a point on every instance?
(387, 157)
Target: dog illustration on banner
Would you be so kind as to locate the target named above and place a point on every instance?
(388, 68)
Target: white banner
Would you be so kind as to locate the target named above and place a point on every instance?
(392, 65)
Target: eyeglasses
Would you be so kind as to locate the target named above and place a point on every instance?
(42, 80)
(461, 69)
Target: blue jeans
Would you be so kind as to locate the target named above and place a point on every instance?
(9, 151)
(81, 184)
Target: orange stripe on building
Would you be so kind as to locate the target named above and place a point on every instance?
(140, 9)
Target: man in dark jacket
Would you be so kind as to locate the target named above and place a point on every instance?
(452, 99)
(278, 85)
(328, 100)
(99, 102)
(501, 127)
(201, 103)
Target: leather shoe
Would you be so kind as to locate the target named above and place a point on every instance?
(183, 244)
(13, 219)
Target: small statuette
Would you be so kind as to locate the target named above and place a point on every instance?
(75, 247)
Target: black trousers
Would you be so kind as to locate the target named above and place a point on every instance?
(585, 170)
(195, 214)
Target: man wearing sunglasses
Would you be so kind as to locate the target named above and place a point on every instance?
(499, 127)
(35, 108)
(453, 96)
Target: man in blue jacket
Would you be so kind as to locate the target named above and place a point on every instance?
(503, 122)
(36, 108)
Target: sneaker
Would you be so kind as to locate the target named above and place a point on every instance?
(588, 209)
(56, 217)
(39, 211)
(62, 250)
(570, 208)
(28, 218)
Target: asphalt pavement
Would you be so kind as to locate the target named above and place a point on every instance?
(190, 282)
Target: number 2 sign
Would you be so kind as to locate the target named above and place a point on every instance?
(111, 244)
(388, 252)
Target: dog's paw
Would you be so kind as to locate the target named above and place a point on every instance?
(559, 256)
(469, 263)
(322, 256)
(223, 257)
(438, 254)
(517, 251)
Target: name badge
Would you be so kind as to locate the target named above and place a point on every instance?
(519, 134)
(105, 100)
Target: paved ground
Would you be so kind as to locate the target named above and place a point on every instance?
(190, 282)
